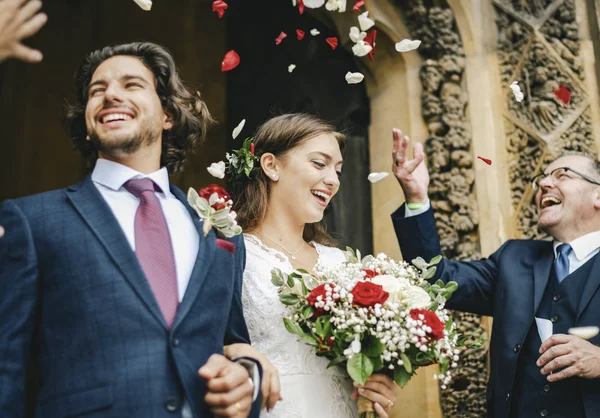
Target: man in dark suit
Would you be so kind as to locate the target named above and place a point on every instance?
(110, 291)
(525, 281)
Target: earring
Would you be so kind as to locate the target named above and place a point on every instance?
(275, 177)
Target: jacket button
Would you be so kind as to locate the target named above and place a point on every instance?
(517, 348)
(507, 398)
(175, 342)
(556, 298)
(546, 388)
(554, 319)
(543, 413)
(171, 404)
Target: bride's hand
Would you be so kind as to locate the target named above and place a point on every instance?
(382, 391)
(270, 387)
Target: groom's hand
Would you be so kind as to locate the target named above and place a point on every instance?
(411, 174)
(230, 388)
(572, 355)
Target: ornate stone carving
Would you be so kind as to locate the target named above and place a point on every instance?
(538, 46)
(450, 158)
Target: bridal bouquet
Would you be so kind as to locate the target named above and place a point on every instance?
(373, 315)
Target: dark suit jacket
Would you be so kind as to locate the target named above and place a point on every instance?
(509, 286)
(76, 308)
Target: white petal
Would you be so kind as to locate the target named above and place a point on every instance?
(291, 67)
(364, 21)
(217, 169)
(584, 332)
(294, 3)
(354, 78)
(356, 35)
(361, 49)
(313, 4)
(407, 45)
(516, 89)
(238, 128)
(314, 32)
(375, 177)
(144, 4)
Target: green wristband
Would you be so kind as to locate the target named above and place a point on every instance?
(416, 205)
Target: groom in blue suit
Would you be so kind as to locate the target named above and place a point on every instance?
(526, 282)
(111, 295)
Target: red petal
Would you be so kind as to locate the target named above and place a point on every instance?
(333, 42)
(485, 160)
(300, 34)
(358, 5)
(563, 94)
(300, 6)
(280, 38)
(219, 6)
(370, 39)
(230, 61)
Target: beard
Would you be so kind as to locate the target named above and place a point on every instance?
(116, 144)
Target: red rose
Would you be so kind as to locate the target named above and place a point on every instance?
(432, 321)
(208, 191)
(368, 294)
(369, 274)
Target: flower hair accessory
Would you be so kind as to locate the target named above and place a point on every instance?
(240, 164)
(213, 205)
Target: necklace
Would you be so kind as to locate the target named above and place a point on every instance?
(292, 254)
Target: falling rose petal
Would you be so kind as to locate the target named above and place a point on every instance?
(485, 160)
(219, 6)
(280, 38)
(361, 48)
(291, 68)
(406, 45)
(299, 34)
(238, 129)
(516, 89)
(314, 4)
(356, 35)
(354, 78)
(144, 4)
(217, 169)
(333, 42)
(370, 39)
(301, 6)
(584, 332)
(314, 32)
(563, 94)
(230, 61)
(339, 5)
(375, 177)
(364, 22)
(358, 5)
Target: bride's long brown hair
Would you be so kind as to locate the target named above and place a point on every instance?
(279, 135)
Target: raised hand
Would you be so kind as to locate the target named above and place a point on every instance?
(411, 174)
(574, 355)
(229, 387)
(20, 19)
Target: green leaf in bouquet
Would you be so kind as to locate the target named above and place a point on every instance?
(290, 281)
(422, 359)
(308, 311)
(435, 288)
(434, 306)
(419, 263)
(444, 365)
(407, 363)
(289, 299)
(277, 277)
(305, 290)
(430, 273)
(323, 326)
(372, 347)
(377, 363)
(292, 327)
(435, 260)
(401, 376)
(302, 271)
(310, 339)
(451, 287)
(360, 367)
(448, 326)
(336, 361)
(440, 283)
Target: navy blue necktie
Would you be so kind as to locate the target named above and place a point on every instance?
(561, 264)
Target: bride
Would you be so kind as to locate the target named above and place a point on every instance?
(280, 207)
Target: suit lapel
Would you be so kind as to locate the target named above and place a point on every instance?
(206, 253)
(591, 285)
(541, 274)
(92, 207)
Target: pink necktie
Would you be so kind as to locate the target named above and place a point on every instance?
(153, 246)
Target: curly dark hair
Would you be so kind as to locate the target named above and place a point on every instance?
(279, 135)
(188, 111)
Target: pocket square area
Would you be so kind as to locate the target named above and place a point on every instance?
(226, 245)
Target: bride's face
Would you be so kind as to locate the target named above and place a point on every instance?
(309, 176)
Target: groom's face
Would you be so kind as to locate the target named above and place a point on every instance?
(124, 112)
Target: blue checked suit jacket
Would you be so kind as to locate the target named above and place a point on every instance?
(78, 314)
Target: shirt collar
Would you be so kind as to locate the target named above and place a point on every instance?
(114, 175)
(582, 246)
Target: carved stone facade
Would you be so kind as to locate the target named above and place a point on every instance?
(450, 158)
(538, 46)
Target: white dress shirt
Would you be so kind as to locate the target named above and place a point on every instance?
(584, 248)
(109, 178)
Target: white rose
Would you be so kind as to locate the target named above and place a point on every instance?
(389, 283)
(416, 297)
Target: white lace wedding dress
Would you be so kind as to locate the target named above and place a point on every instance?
(309, 389)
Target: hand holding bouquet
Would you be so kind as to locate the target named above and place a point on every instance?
(372, 315)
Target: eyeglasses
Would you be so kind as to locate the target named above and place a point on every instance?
(559, 174)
